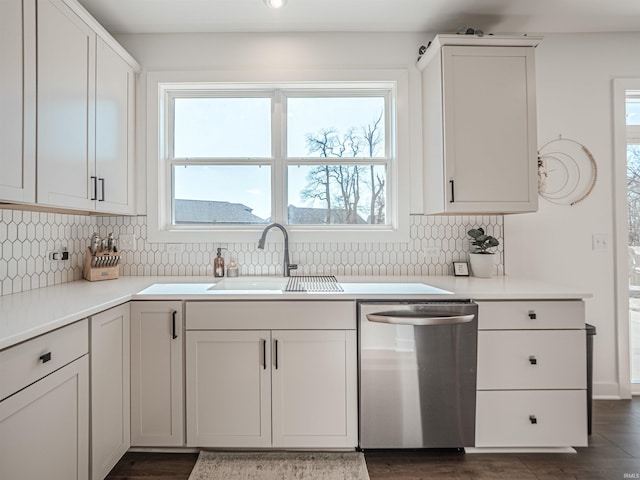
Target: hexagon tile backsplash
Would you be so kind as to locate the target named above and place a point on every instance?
(27, 238)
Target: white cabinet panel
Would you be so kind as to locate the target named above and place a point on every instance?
(530, 315)
(27, 362)
(66, 107)
(254, 315)
(228, 388)
(480, 130)
(544, 359)
(535, 418)
(17, 100)
(115, 82)
(314, 389)
(157, 387)
(44, 429)
(110, 389)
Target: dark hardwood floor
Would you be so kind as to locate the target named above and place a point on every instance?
(613, 453)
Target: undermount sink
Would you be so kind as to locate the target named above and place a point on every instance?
(312, 283)
(251, 283)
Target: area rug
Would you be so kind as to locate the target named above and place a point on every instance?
(280, 466)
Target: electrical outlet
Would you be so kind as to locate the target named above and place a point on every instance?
(58, 255)
(174, 248)
(127, 241)
(432, 252)
(599, 241)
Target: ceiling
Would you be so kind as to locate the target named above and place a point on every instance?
(432, 16)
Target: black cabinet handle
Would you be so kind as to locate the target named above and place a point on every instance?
(101, 180)
(276, 353)
(532, 315)
(533, 360)
(45, 357)
(264, 354)
(453, 191)
(174, 334)
(533, 419)
(95, 187)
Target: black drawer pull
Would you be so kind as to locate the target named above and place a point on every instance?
(174, 333)
(264, 354)
(532, 315)
(276, 353)
(533, 419)
(453, 191)
(533, 360)
(45, 357)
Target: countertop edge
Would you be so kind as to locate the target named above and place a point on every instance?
(46, 309)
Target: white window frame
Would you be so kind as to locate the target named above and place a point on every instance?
(159, 188)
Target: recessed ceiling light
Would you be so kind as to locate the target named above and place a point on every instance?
(275, 3)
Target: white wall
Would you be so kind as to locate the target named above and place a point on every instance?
(264, 52)
(574, 81)
(574, 87)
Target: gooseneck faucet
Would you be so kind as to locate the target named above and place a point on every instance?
(287, 266)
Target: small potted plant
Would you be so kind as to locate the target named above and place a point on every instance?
(482, 258)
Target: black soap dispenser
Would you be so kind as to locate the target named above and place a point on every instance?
(218, 264)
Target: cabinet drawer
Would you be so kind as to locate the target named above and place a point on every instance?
(285, 315)
(559, 314)
(22, 365)
(531, 359)
(506, 419)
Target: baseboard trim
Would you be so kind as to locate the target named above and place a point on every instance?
(519, 450)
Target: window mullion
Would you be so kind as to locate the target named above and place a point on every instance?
(279, 169)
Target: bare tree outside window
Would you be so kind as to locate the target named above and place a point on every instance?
(352, 193)
(633, 193)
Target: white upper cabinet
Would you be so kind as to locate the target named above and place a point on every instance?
(17, 101)
(479, 117)
(66, 89)
(115, 117)
(85, 108)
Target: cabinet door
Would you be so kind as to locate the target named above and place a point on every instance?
(44, 429)
(314, 389)
(110, 389)
(480, 137)
(156, 374)
(114, 131)
(66, 108)
(17, 107)
(490, 128)
(228, 389)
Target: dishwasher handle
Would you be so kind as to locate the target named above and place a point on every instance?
(402, 317)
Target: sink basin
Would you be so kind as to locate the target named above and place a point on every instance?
(251, 283)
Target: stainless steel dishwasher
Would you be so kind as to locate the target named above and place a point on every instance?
(417, 381)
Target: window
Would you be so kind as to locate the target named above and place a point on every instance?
(232, 157)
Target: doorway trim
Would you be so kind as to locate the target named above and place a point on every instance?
(621, 232)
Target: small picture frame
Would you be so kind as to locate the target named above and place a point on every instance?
(461, 269)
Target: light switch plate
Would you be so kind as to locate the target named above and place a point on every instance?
(600, 241)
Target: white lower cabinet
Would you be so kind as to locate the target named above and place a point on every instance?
(531, 384)
(44, 428)
(312, 384)
(157, 387)
(229, 388)
(284, 388)
(110, 389)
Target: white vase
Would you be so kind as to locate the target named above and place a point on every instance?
(483, 265)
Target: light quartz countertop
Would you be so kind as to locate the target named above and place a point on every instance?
(29, 314)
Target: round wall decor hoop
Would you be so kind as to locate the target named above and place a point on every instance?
(567, 171)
